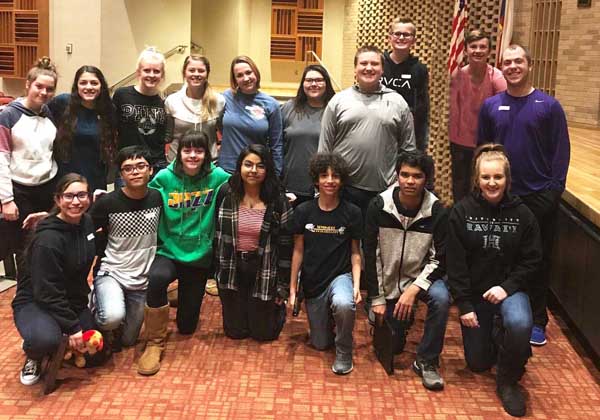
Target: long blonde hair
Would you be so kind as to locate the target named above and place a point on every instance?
(209, 98)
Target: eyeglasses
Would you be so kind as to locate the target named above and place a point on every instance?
(317, 80)
(258, 167)
(81, 196)
(138, 166)
(399, 35)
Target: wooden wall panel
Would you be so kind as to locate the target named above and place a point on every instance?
(296, 27)
(545, 31)
(24, 31)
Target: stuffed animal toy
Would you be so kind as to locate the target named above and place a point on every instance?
(93, 343)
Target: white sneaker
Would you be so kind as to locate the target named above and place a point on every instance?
(31, 372)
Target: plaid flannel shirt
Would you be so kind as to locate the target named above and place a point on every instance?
(275, 247)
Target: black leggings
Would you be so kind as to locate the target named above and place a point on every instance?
(190, 292)
(28, 200)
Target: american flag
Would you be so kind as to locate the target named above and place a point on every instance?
(457, 43)
(505, 27)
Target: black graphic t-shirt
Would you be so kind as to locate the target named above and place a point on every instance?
(141, 121)
(327, 242)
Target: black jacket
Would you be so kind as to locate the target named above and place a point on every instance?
(490, 246)
(55, 277)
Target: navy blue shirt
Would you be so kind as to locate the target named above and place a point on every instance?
(85, 155)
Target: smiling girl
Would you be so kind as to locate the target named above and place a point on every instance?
(86, 141)
(188, 186)
(194, 107)
(250, 116)
(493, 253)
(52, 295)
(141, 111)
(27, 168)
(253, 248)
(301, 128)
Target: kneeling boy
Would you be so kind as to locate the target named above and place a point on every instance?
(326, 251)
(405, 234)
(129, 219)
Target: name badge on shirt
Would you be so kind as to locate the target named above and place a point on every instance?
(504, 108)
(149, 216)
(406, 76)
(90, 237)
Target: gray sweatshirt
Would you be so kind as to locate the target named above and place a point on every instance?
(368, 130)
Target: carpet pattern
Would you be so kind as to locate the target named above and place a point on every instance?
(210, 376)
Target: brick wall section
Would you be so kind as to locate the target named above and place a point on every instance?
(350, 39)
(522, 22)
(577, 79)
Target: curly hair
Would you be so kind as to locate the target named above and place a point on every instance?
(103, 107)
(320, 162)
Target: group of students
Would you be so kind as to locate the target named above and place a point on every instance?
(217, 202)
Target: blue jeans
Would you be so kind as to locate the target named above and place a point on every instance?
(40, 331)
(502, 336)
(337, 302)
(437, 299)
(116, 305)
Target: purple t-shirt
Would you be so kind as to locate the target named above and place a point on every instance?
(533, 129)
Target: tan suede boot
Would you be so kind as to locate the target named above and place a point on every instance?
(156, 320)
(172, 294)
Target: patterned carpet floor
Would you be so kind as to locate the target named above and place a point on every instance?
(208, 376)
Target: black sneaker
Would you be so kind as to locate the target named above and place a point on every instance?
(342, 365)
(31, 372)
(430, 377)
(512, 399)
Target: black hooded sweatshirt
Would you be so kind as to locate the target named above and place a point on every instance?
(490, 246)
(55, 277)
(411, 80)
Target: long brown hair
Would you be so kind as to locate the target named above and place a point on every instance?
(243, 59)
(103, 107)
